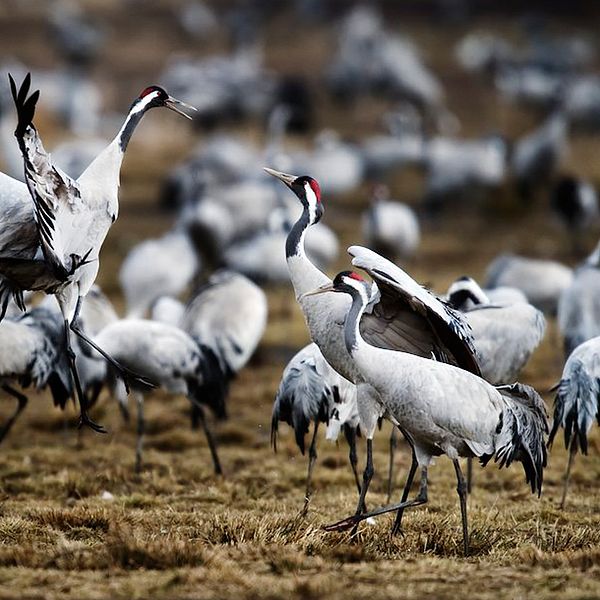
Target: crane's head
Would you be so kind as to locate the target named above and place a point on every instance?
(306, 189)
(465, 291)
(155, 96)
(346, 282)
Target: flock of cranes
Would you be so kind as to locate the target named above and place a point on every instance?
(442, 370)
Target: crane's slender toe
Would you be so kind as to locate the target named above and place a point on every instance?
(344, 524)
(85, 420)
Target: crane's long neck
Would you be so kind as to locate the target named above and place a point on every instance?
(107, 165)
(304, 274)
(352, 337)
(136, 112)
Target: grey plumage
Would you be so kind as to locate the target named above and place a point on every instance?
(309, 392)
(504, 335)
(579, 305)
(542, 281)
(577, 400)
(444, 410)
(521, 432)
(32, 354)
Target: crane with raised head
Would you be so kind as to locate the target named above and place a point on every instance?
(442, 409)
(53, 243)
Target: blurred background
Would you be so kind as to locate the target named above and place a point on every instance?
(469, 113)
(443, 134)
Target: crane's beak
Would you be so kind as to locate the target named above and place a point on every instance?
(328, 287)
(176, 106)
(287, 179)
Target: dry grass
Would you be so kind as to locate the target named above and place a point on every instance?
(178, 531)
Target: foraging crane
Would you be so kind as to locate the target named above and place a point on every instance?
(157, 267)
(53, 245)
(577, 401)
(504, 335)
(579, 304)
(536, 156)
(173, 360)
(455, 168)
(463, 296)
(443, 409)
(576, 203)
(229, 316)
(31, 355)
(390, 228)
(311, 391)
(417, 323)
(542, 281)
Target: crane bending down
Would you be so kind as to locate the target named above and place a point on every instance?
(310, 390)
(53, 244)
(413, 322)
(444, 409)
(30, 355)
(177, 362)
(577, 401)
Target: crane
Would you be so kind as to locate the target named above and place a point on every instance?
(168, 356)
(579, 304)
(577, 401)
(443, 409)
(53, 245)
(30, 355)
(311, 391)
(504, 335)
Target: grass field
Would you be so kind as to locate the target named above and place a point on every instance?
(77, 522)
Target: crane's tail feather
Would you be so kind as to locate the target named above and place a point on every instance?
(521, 432)
(214, 387)
(8, 292)
(60, 394)
(576, 405)
(25, 105)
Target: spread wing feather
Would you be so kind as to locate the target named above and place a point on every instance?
(54, 193)
(408, 318)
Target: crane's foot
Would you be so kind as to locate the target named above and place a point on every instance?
(397, 529)
(85, 420)
(130, 378)
(344, 524)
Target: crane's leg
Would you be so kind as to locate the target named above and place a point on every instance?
(84, 418)
(140, 432)
(393, 446)
(209, 436)
(367, 476)
(572, 453)
(312, 459)
(126, 374)
(352, 521)
(397, 526)
(461, 488)
(350, 435)
(95, 393)
(469, 475)
(22, 403)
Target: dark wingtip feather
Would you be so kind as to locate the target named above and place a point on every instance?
(25, 105)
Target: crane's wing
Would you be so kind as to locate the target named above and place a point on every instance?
(411, 319)
(54, 193)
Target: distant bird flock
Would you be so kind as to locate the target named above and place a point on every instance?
(442, 369)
